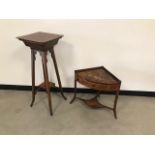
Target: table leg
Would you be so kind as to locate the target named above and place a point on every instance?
(57, 72)
(33, 58)
(47, 83)
(75, 90)
(115, 104)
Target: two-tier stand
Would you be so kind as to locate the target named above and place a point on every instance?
(43, 43)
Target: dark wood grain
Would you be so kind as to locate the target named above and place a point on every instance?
(43, 43)
(40, 37)
(99, 79)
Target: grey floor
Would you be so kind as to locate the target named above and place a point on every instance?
(136, 115)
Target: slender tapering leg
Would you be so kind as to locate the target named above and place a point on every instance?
(115, 104)
(75, 90)
(33, 52)
(47, 83)
(57, 72)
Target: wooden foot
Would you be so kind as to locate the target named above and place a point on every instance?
(32, 102)
(115, 114)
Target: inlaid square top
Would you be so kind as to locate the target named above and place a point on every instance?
(40, 40)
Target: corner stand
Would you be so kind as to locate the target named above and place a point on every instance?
(99, 79)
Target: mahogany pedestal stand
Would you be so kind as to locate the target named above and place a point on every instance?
(43, 43)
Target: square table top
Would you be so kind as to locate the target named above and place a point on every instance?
(41, 41)
(40, 37)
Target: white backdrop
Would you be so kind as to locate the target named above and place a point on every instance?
(125, 47)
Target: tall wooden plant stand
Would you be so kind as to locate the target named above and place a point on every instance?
(43, 43)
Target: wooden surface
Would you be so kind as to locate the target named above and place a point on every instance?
(40, 41)
(98, 78)
(40, 37)
(43, 43)
(97, 75)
